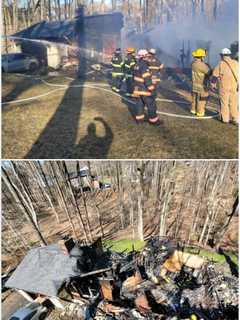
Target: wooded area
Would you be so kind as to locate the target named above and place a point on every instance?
(18, 15)
(192, 201)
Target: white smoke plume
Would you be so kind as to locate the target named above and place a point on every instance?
(198, 31)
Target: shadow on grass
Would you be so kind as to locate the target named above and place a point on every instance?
(21, 86)
(91, 146)
(58, 138)
(232, 265)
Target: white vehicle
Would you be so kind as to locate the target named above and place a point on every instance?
(15, 62)
(32, 311)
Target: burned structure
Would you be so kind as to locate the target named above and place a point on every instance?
(163, 281)
(84, 181)
(60, 42)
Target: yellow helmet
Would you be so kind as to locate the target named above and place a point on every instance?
(131, 50)
(199, 53)
(193, 317)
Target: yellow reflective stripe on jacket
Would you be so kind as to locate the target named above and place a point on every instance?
(142, 93)
(130, 65)
(151, 87)
(155, 80)
(116, 65)
(146, 74)
(117, 74)
(139, 79)
(154, 68)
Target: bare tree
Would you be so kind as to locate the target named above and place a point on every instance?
(192, 201)
(23, 205)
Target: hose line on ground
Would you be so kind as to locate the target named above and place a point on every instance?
(100, 86)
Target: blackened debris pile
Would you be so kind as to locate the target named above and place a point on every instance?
(162, 281)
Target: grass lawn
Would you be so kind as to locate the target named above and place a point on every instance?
(216, 257)
(94, 123)
(127, 245)
(124, 245)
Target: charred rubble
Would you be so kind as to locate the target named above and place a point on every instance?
(162, 281)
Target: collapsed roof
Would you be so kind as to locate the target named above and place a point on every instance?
(68, 29)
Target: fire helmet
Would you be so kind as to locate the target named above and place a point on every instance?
(226, 52)
(152, 51)
(131, 50)
(118, 50)
(199, 53)
(142, 53)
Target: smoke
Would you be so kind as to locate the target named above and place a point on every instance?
(56, 52)
(198, 31)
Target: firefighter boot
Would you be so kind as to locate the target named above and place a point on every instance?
(155, 122)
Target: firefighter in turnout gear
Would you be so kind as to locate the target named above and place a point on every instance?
(154, 66)
(144, 90)
(129, 64)
(117, 70)
(200, 76)
(226, 75)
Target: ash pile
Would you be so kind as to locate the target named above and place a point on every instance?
(162, 281)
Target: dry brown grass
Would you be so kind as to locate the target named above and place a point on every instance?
(57, 126)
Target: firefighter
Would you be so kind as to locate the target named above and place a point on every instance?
(226, 75)
(200, 76)
(144, 90)
(117, 70)
(155, 66)
(129, 64)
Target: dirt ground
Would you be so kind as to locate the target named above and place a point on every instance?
(11, 302)
(92, 122)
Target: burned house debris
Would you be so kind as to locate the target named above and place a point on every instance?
(163, 281)
(83, 181)
(60, 43)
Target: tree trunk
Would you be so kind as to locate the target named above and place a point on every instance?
(16, 194)
(59, 9)
(140, 218)
(82, 226)
(49, 11)
(63, 200)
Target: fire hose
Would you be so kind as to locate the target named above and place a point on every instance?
(100, 86)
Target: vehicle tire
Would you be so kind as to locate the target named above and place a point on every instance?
(32, 67)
